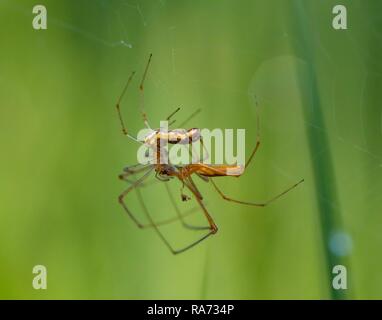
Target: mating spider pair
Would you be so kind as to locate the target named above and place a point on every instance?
(184, 173)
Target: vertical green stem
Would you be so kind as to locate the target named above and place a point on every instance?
(322, 164)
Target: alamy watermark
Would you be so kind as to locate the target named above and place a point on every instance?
(339, 281)
(340, 19)
(182, 147)
(39, 21)
(40, 279)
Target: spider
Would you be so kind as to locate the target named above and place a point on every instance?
(184, 173)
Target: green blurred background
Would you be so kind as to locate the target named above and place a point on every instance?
(319, 91)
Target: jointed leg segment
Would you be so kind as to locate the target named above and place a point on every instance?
(252, 203)
(124, 130)
(141, 89)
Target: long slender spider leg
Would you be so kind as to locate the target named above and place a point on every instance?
(125, 177)
(192, 187)
(252, 203)
(213, 228)
(184, 122)
(141, 89)
(189, 118)
(124, 193)
(253, 152)
(205, 179)
(257, 137)
(180, 216)
(162, 222)
(132, 167)
(124, 129)
(152, 223)
(132, 170)
(193, 152)
(207, 155)
(172, 219)
(161, 236)
(172, 114)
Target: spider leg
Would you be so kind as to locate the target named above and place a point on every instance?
(190, 117)
(160, 234)
(263, 204)
(141, 89)
(128, 190)
(257, 138)
(158, 223)
(124, 129)
(180, 216)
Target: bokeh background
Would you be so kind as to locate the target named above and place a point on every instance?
(319, 96)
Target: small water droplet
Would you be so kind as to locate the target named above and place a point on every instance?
(340, 243)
